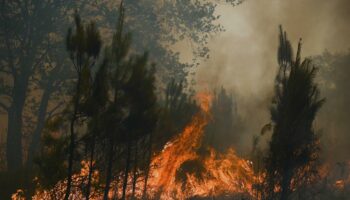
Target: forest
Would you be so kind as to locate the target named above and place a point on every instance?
(174, 99)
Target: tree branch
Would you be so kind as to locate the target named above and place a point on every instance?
(54, 109)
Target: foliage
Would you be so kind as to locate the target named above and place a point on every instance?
(176, 110)
(30, 31)
(51, 165)
(158, 26)
(84, 47)
(36, 78)
(293, 149)
(33, 57)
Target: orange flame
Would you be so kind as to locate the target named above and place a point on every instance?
(179, 150)
(224, 173)
(221, 173)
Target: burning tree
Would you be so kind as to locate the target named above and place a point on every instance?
(112, 114)
(294, 146)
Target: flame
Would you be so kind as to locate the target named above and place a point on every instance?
(78, 179)
(224, 173)
(180, 149)
(340, 184)
(219, 173)
(205, 99)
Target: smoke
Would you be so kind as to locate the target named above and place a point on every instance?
(243, 58)
(334, 117)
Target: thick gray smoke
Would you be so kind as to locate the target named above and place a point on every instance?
(243, 58)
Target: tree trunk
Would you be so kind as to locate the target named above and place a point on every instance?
(116, 188)
(72, 140)
(35, 143)
(14, 136)
(127, 169)
(144, 192)
(88, 189)
(109, 171)
(134, 173)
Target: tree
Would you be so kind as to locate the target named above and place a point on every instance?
(94, 107)
(24, 29)
(32, 30)
(158, 26)
(51, 162)
(134, 80)
(293, 149)
(176, 109)
(142, 116)
(84, 47)
(115, 115)
(53, 82)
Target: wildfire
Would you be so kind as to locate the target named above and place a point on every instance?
(219, 174)
(58, 191)
(179, 171)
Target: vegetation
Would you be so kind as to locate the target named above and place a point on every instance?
(37, 77)
(294, 146)
(90, 108)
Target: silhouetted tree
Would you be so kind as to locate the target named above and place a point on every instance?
(51, 161)
(142, 116)
(158, 26)
(25, 27)
(177, 109)
(115, 114)
(35, 75)
(84, 47)
(129, 115)
(32, 30)
(94, 107)
(53, 80)
(293, 148)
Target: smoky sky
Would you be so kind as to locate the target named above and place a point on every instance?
(243, 58)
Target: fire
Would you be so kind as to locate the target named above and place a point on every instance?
(179, 171)
(339, 184)
(180, 149)
(221, 173)
(204, 102)
(59, 190)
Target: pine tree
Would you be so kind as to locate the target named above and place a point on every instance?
(293, 148)
(84, 47)
(94, 107)
(135, 119)
(176, 111)
(25, 49)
